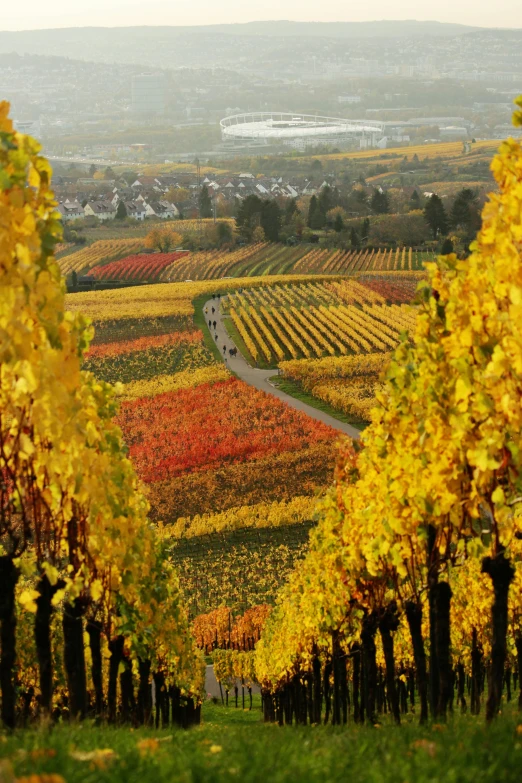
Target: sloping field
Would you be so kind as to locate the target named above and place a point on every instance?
(103, 251)
(276, 259)
(250, 261)
(317, 319)
(448, 149)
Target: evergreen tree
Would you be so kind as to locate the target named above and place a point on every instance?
(109, 173)
(224, 233)
(365, 230)
(318, 219)
(316, 210)
(338, 224)
(312, 209)
(248, 215)
(464, 211)
(271, 220)
(291, 210)
(446, 247)
(354, 239)
(359, 195)
(205, 203)
(325, 200)
(121, 212)
(415, 201)
(92, 170)
(380, 202)
(435, 216)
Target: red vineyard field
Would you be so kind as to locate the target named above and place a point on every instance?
(103, 350)
(212, 425)
(137, 268)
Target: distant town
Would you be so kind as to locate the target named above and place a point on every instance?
(108, 102)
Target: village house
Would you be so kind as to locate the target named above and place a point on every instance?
(103, 210)
(161, 209)
(135, 209)
(71, 210)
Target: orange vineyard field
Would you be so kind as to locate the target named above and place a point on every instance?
(219, 458)
(120, 259)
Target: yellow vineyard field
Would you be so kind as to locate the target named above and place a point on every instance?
(347, 383)
(449, 149)
(316, 319)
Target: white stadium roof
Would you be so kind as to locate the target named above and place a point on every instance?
(285, 126)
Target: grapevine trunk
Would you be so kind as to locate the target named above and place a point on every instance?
(501, 572)
(8, 579)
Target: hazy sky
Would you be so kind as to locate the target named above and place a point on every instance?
(31, 14)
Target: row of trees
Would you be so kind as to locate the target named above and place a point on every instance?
(464, 214)
(463, 218)
(423, 524)
(258, 219)
(76, 549)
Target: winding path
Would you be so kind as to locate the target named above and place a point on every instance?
(259, 378)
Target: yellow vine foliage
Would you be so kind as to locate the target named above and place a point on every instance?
(186, 379)
(443, 451)
(69, 494)
(276, 514)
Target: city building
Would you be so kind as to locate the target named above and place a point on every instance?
(149, 94)
(349, 99)
(30, 127)
(453, 132)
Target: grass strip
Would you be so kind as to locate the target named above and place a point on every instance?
(200, 322)
(233, 744)
(294, 389)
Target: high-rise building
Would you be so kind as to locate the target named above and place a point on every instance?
(149, 93)
(31, 127)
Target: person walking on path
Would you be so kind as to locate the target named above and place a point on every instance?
(214, 325)
(210, 324)
(224, 350)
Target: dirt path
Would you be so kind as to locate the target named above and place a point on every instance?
(259, 378)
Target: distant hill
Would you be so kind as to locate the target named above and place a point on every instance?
(121, 43)
(378, 29)
(213, 45)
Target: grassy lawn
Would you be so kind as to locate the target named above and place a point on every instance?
(294, 389)
(235, 745)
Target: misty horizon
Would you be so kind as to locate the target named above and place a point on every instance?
(505, 14)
